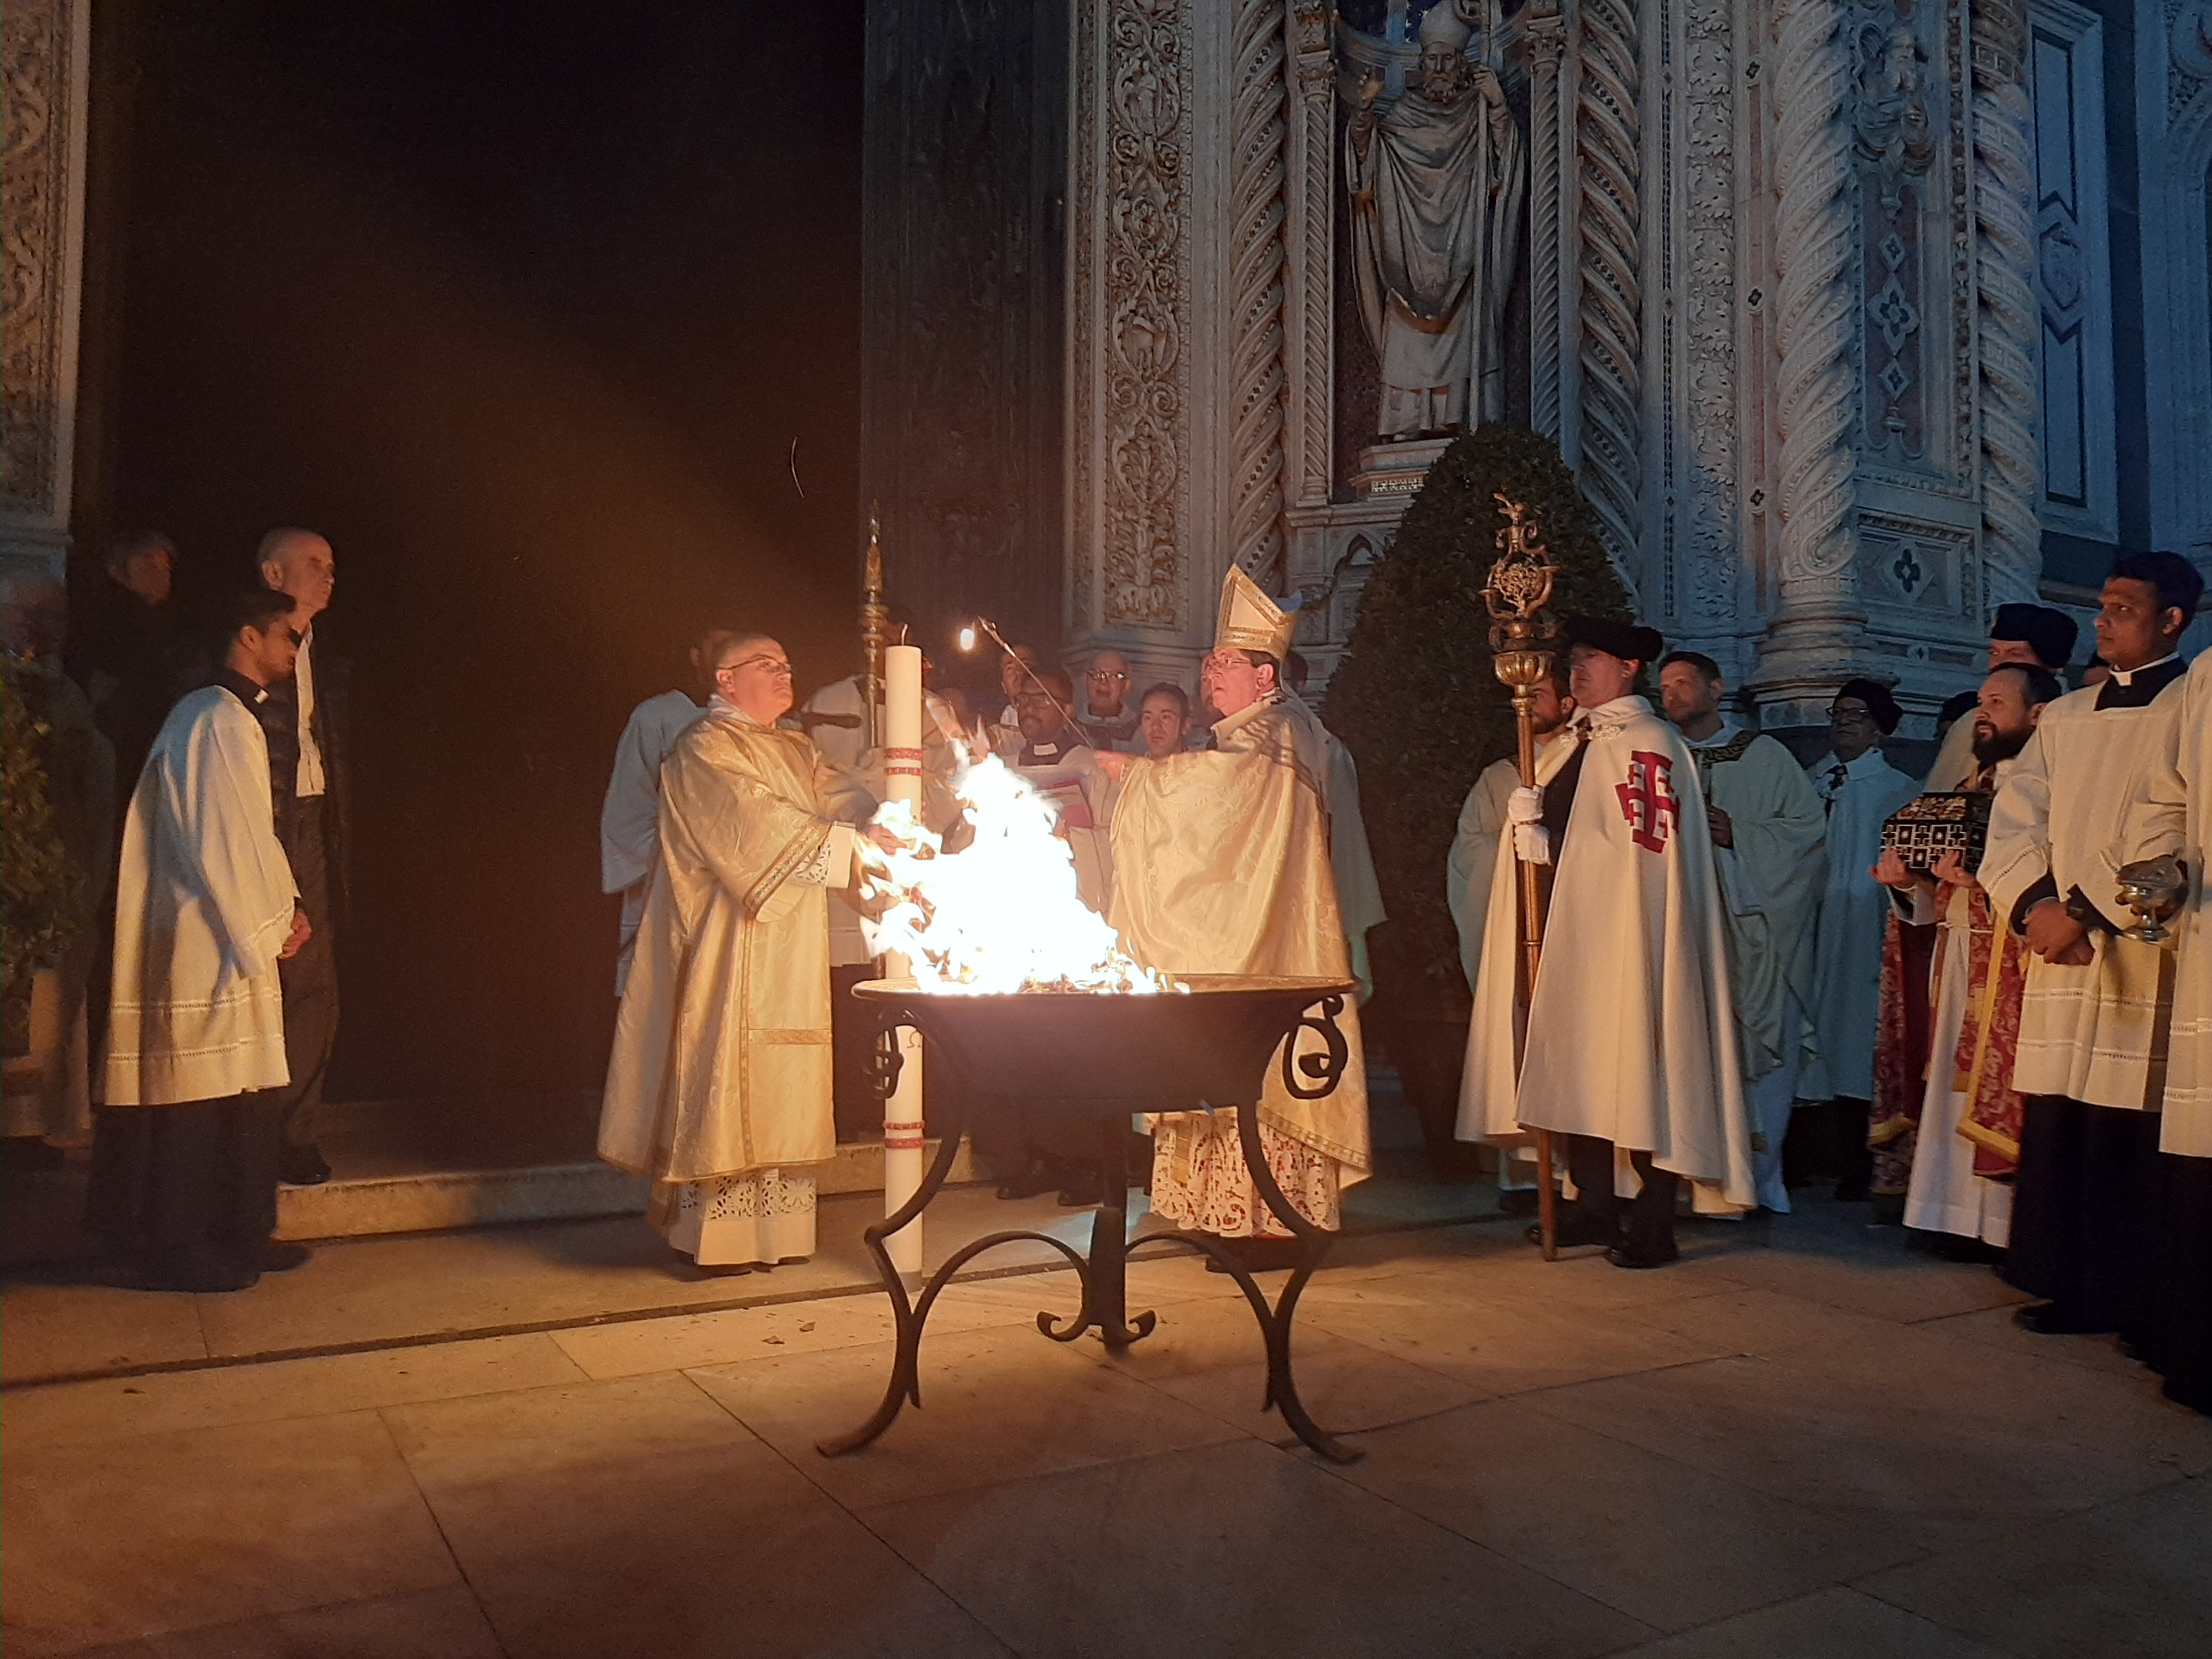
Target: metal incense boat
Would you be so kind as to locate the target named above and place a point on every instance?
(1097, 1058)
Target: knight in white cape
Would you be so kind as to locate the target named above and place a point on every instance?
(719, 1087)
(1222, 866)
(1627, 1042)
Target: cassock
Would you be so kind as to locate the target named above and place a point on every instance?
(1771, 883)
(1481, 830)
(1859, 797)
(2092, 1053)
(719, 1088)
(1221, 866)
(185, 1160)
(630, 818)
(1630, 1033)
(1966, 1144)
(1069, 776)
(2172, 813)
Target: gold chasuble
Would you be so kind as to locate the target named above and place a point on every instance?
(1221, 866)
(721, 1063)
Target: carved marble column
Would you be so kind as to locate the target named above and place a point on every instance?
(1310, 229)
(2008, 318)
(46, 56)
(1551, 400)
(1816, 619)
(1181, 127)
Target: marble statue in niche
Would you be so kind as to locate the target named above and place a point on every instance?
(1437, 178)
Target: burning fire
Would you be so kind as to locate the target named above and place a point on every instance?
(1002, 915)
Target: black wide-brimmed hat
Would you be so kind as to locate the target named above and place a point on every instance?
(1630, 642)
(1879, 703)
(2050, 634)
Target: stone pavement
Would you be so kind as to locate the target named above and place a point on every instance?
(1802, 1439)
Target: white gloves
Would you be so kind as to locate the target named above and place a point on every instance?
(1524, 811)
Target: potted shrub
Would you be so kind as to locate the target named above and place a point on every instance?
(44, 901)
(1420, 707)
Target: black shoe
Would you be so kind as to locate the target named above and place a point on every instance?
(303, 1166)
(1032, 1180)
(199, 1270)
(1573, 1229)
(1081, 1188)
(274, 1257)
(2050, 1319)
(1628, 1256)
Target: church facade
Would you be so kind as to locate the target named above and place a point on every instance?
(1856, 318)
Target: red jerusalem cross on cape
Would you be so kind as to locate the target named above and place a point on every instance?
(1648, 799)
(1630, 1033)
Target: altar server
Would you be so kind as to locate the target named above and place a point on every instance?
(1965, 1148)
(719, 1083)
(630, 818)
(1222, 866)
(191, 1131)
(1859, 790)
(2092, 1025)
(1629, 1049)
(2023, 635)
(1062, 766)
(2171, 813)
(1766, 825)
(1482, 824)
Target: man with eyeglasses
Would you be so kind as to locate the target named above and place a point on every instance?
(309, 783)
(720, 1085)
(189, 1132)
(1222, 866)
(1859, 789)
(1107, 721)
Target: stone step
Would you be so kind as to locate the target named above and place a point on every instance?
(432, 1200)
(407, 1166)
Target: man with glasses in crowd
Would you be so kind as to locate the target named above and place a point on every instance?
(719, 1086)
(1859, 789)
(1107, 721)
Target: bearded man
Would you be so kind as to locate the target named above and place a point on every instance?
(1626, 1043)
(2022, 636)
(1965, 1148)
(1221, 866)
(720, 1085)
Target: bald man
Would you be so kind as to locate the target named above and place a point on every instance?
(1109, 720)
(306, 779)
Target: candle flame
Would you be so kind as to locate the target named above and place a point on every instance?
(1003, 914)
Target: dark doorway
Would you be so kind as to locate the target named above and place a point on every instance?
(546, 315)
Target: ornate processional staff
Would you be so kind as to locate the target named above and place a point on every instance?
(875, 630)
(1518, 594)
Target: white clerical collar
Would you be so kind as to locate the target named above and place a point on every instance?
(2127, 676)
(1727, 731)
(1246, 715)
(722, 709)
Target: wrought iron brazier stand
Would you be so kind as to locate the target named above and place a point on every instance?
(1097, 1058)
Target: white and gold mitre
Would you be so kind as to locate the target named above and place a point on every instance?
(1250, 621)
